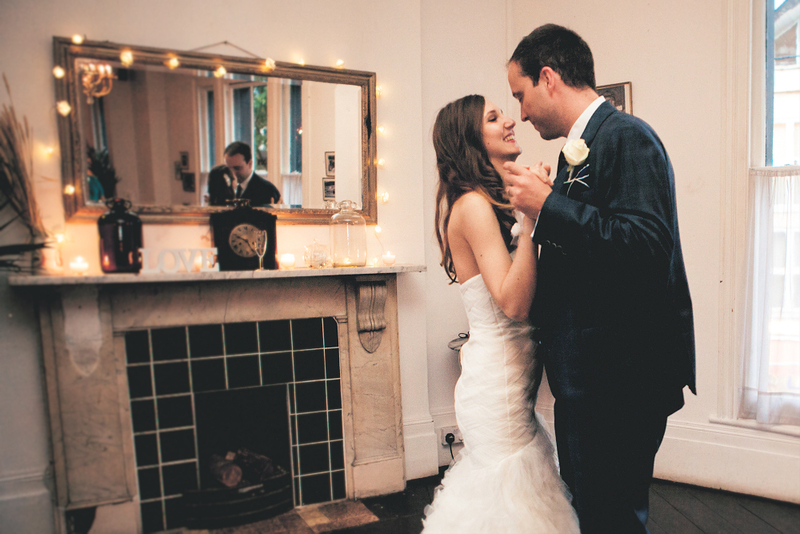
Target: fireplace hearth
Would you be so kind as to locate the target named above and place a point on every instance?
(129, 358)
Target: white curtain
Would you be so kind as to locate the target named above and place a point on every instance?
(292, 190)
(771, 364)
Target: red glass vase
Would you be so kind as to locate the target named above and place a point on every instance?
(120, 238)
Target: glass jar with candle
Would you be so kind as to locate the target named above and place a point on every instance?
(120, 238)
(348, 236)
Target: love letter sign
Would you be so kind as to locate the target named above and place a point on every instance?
(173, 260)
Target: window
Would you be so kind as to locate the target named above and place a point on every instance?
(207, 128)
(250, 120)
(783, 83)
(770, 392)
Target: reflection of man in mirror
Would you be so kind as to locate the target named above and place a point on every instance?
(220, 185)
(260, 192)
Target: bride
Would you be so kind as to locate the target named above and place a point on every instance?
(505, 479)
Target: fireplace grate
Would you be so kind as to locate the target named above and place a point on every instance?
(168, 367)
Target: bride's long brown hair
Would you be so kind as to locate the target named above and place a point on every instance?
(463, 165)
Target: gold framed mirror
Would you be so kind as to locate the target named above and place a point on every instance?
(148, 124)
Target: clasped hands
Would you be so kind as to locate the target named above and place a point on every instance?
(527, 187)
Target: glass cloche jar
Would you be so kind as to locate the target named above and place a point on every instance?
(348, 236)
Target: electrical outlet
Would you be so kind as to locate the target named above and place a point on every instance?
(451, 430)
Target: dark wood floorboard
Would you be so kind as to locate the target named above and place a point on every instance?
(729, 505)
(785, 519)
(674, 509)
(665, 517)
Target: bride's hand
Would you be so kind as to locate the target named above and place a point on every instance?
(527, 226)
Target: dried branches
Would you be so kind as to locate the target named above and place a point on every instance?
(16, 169)
(16, 185)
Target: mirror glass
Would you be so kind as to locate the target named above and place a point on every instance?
(149, 125)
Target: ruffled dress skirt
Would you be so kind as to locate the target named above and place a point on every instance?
(505, 479)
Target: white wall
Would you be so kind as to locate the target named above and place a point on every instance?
(427, 53)
(464, 52)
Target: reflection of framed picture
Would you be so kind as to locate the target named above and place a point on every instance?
(188, 181)
(619, 94)
(328, 189)
(330, 163)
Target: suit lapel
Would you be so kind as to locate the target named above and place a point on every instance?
(598, 117)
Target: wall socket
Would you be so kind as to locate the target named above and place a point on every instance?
(450, 430)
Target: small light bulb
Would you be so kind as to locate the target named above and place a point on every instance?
(64, 108)
(173, 63)
(381, 162)
(378, 91)
(126, 58)
(69, 189)
(301, 61)
(48, 151)
(220, 72)
(269, 64)
(58, 72)
(381, 130)
(60, 238)
(77, 39)
(378, 229)
(340, 64)
(384, 197)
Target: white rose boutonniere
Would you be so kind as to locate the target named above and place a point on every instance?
(575, 153)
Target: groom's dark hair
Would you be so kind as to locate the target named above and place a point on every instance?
(559, 48)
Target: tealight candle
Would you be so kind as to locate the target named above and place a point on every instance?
(287, 261)
(388, 258)
(79, 265)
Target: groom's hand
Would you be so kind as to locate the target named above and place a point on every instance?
(527, 187)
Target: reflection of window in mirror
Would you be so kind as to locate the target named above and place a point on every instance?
(292, 141)
(206, 124)
(93, 117)
(266, 113)
(99, 125)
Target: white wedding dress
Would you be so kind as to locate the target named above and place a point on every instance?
(505, 479)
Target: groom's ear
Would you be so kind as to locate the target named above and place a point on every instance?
(548, 77)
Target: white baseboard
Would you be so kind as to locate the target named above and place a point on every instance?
(420, 449)
(732, 459)
(26, 505)
(712, 455)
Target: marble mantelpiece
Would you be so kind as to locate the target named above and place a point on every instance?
(83, 321)
(126, 278)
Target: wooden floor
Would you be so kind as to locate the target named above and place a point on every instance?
(674, 509)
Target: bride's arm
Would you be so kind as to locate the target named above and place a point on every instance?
(512, 284)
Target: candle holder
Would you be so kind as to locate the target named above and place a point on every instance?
(287, 261)
(316, 255)
(78, 265)
(388, 258)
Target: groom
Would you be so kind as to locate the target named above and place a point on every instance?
(612, 309)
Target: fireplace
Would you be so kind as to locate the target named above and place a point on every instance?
(200, 391)
(140, 367)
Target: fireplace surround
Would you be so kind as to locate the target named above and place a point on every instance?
(98, 344)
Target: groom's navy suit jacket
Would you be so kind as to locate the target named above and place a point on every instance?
(261, 191)
(612, 308)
